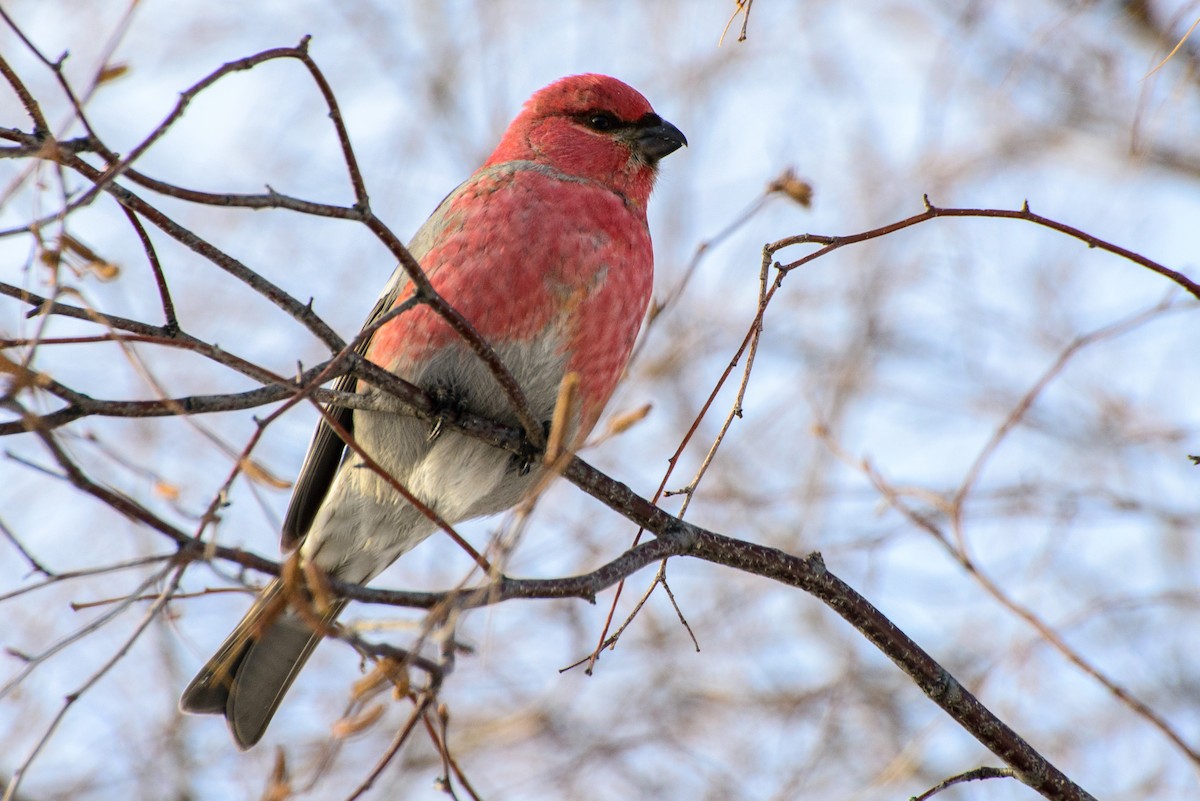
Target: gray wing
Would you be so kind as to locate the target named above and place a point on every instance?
(326, 450)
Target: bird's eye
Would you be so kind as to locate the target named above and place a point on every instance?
(601, 121)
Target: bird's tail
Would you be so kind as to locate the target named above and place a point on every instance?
(252, 670)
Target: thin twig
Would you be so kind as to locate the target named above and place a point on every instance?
(34, 564)
(18, 774)
(68, 575)
(170, 323)
(967, 776)
(423, 702)
(749, 342)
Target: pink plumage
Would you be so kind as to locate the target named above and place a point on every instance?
(546, 251)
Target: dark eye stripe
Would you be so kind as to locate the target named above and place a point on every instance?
(607, 122)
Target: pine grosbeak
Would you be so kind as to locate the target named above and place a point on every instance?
(546, 251)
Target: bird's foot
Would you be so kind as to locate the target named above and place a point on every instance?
(449, 402)
(523, 462)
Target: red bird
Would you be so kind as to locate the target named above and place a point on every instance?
(546, 251)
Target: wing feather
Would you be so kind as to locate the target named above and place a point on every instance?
(326, 450)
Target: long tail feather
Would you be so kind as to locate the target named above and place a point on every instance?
(247, 677)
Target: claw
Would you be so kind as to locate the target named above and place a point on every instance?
(522, 463)
(447, 398)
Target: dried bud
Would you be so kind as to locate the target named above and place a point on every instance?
(260, 475)
(110, 72)
(793, 186)
(623, 422)
(348, 726)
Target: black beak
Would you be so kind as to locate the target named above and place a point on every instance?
(657, 138)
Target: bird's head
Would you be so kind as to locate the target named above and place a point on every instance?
(593, 127)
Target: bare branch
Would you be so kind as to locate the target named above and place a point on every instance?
(932, 212)
(969, 776)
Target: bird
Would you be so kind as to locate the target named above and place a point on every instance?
(546, 251)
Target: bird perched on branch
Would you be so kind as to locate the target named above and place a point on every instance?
(545, 250)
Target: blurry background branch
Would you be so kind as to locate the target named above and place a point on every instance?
(996, 391)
